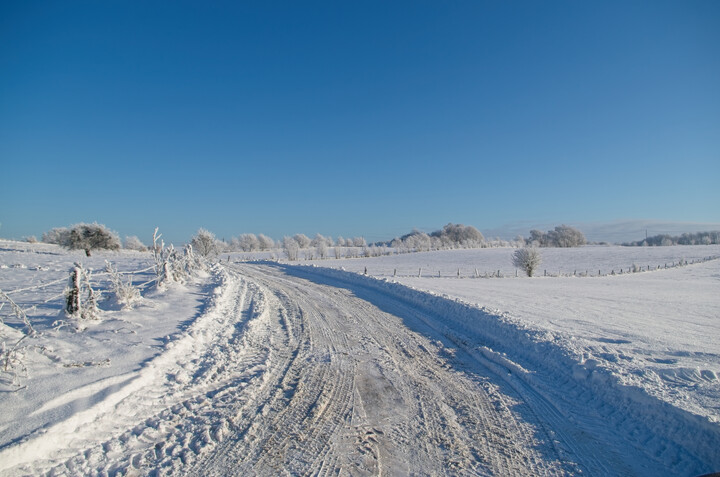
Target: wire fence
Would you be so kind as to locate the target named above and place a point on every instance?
(21, 308)
(467, 272)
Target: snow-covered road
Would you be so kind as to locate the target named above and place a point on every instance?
(303, 371)
(349, 388)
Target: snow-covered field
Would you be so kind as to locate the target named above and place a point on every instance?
(266, 369)
(555, 261)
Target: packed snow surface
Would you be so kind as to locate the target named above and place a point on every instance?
(267, 368)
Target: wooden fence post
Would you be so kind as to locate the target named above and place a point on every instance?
(73, 305)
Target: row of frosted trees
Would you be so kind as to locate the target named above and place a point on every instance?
(260, 242)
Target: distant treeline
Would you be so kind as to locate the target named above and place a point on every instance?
(451, 236)
(563, 236)
(663, 240)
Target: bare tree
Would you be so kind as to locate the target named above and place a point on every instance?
(527, 259)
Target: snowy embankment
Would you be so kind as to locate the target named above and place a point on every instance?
(73, 383)
(640, 350)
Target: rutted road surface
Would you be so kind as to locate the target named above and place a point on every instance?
(349, 389)
(290, 375)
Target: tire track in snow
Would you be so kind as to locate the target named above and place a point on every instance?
(365, 395)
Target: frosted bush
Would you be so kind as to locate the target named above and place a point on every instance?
(134, 243)
(527, 259)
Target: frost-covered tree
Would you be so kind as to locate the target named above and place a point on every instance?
(527, 259)
(291, 248)
(449, 237)
(537, 238)
(265, 242)
(562, 236)
(134, 243)
(699, 238)
(89, 237)
(359, 242)
(320, 239)
(58, 236)
(302, 240)
(340, 242)
(566, 236)
(204, 243)
(459, 236)
(420, 242)
(322, 250)
(249, 242)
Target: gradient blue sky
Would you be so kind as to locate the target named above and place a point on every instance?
(356, 118)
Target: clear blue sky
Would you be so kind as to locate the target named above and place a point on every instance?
(356, 118)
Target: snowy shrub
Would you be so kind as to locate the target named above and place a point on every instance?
(171, 265)
(125, 293)
(134, 243)
(12, 364)
(204, 243)
(89, 237)
(527, 259)
(17, 311)
(31, 239)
